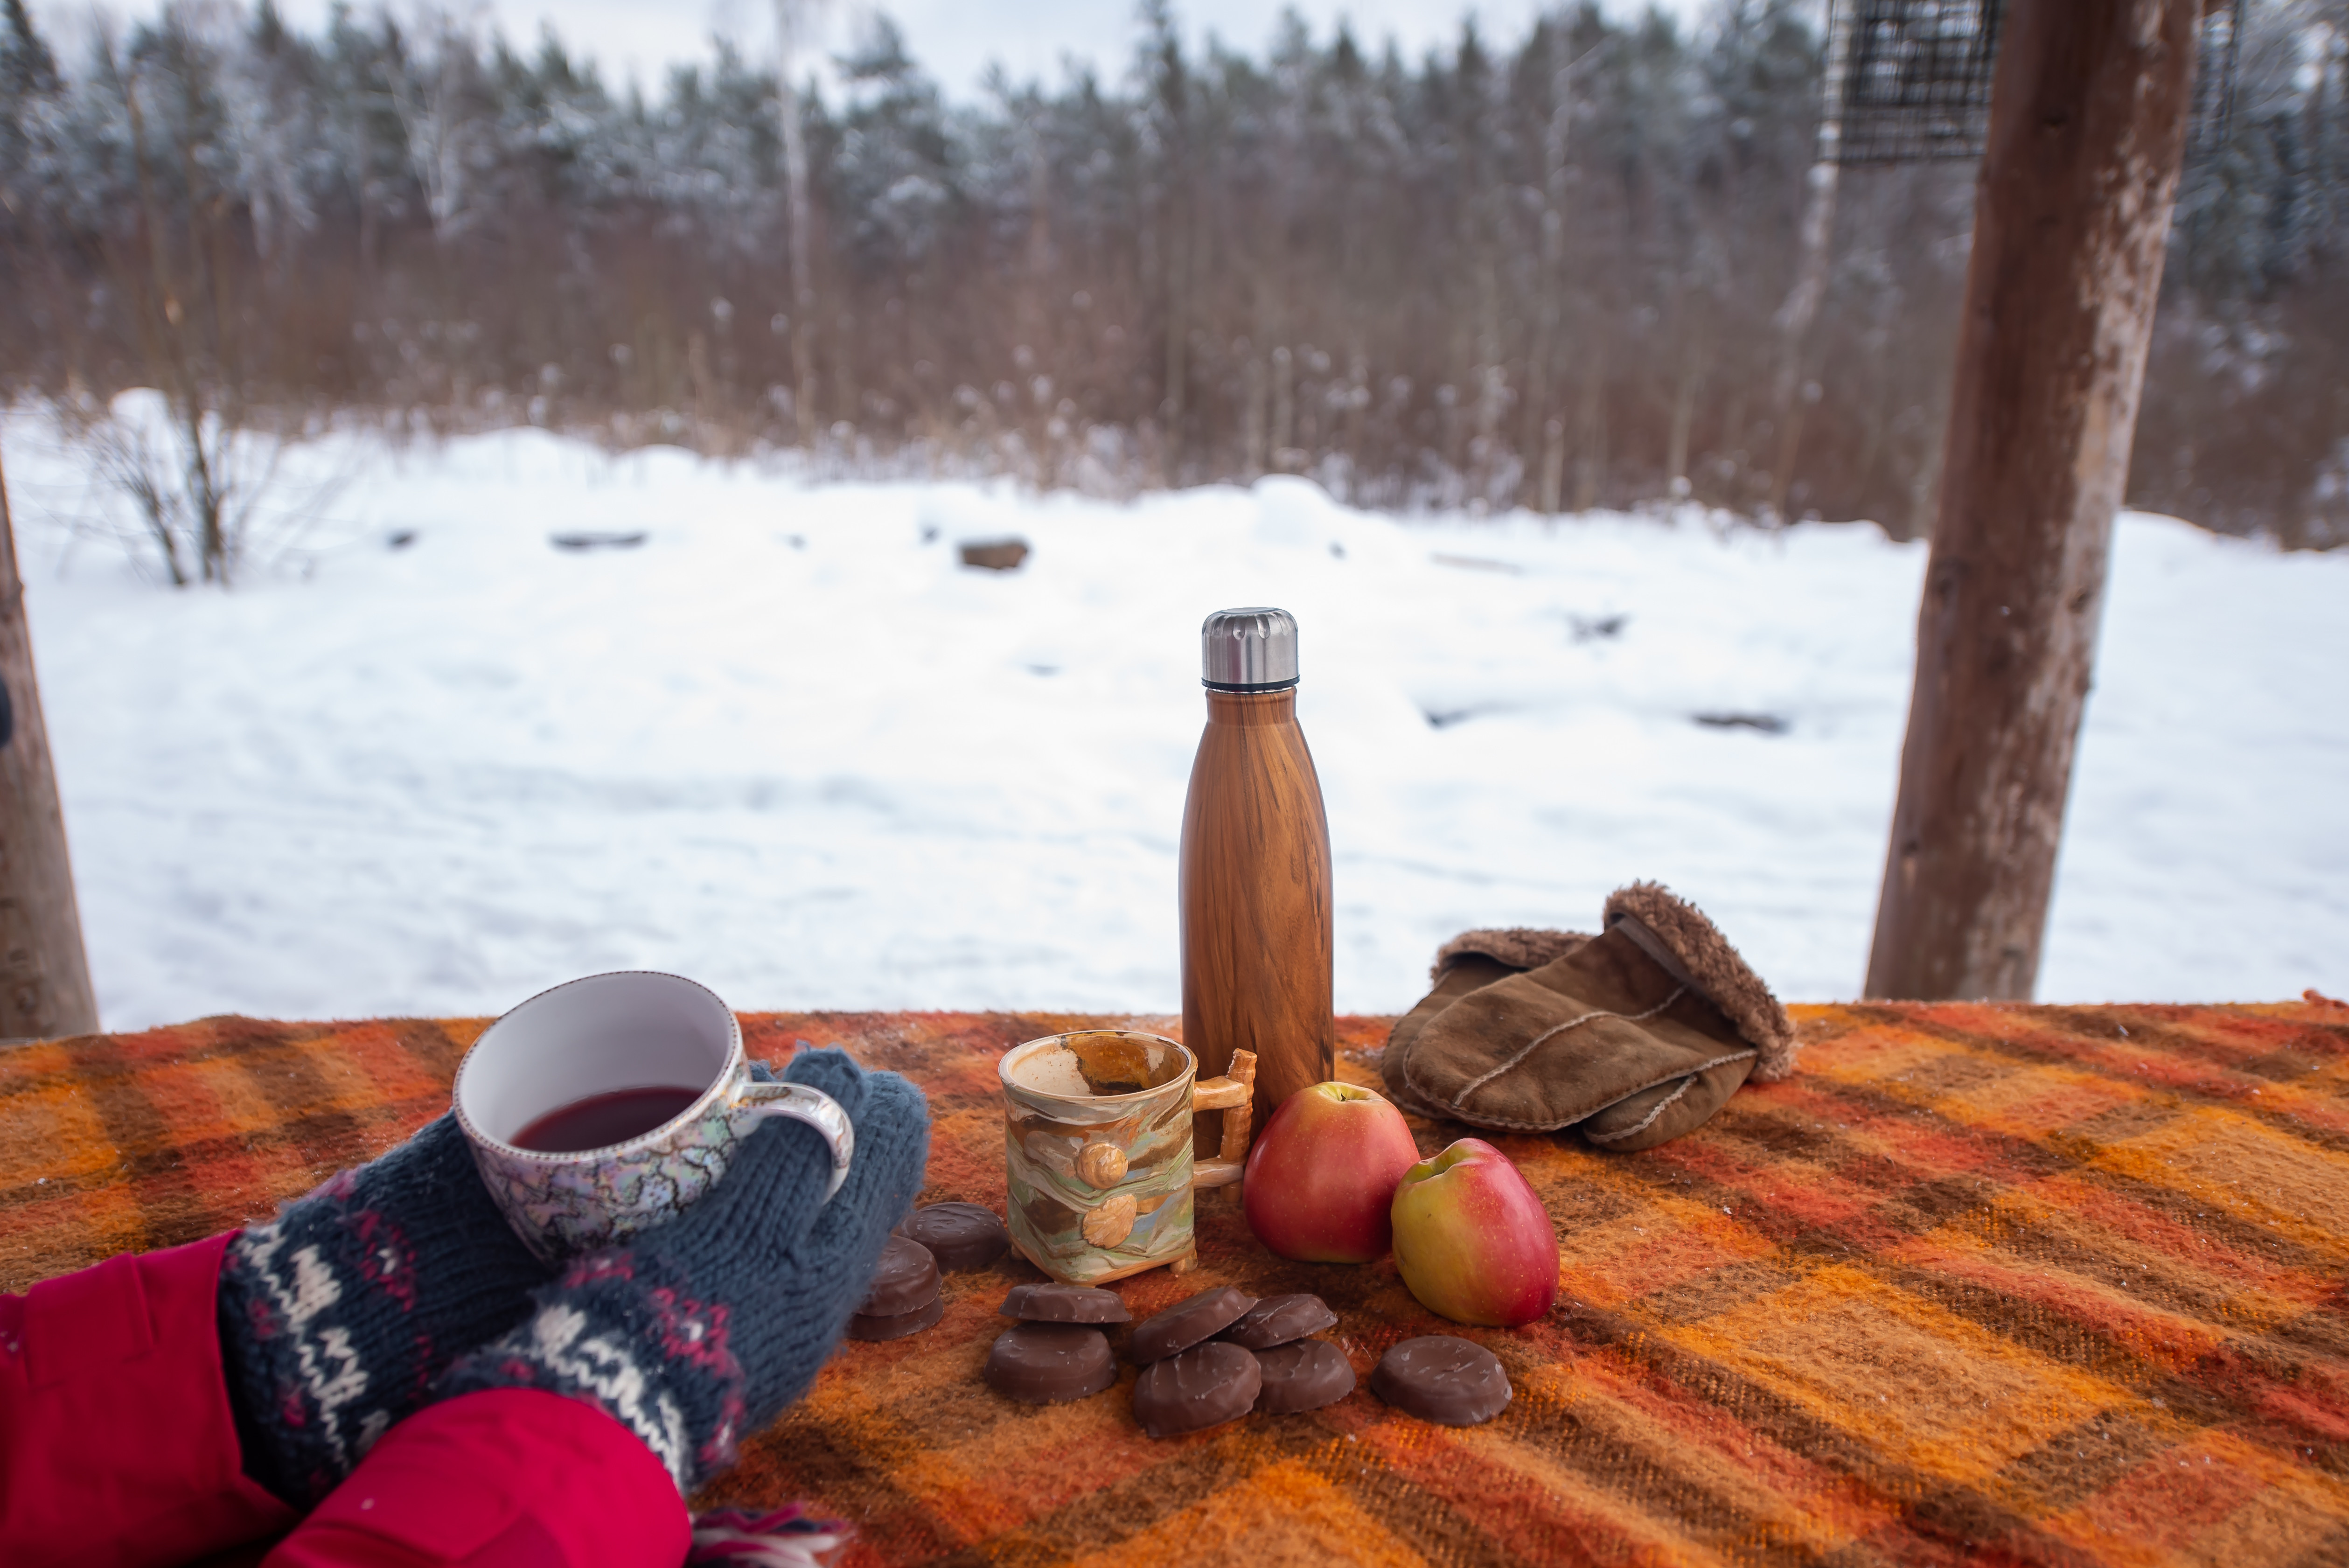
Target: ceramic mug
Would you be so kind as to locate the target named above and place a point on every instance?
(609, 1034)
(1097, 1133)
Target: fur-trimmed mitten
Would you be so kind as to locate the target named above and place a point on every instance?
(1469, 962)
(701, 1332)
(1632, 1037)
(336, 1317)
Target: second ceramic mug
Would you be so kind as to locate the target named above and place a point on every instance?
(608, 1033)
(1097, 1149)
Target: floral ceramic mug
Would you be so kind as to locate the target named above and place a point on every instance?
(608, 1052)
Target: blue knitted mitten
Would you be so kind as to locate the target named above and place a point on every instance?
(701, 1332)
(336, 1317)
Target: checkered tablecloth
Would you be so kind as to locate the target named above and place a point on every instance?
(2022, 1285)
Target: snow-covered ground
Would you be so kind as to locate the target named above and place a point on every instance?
(791, 747)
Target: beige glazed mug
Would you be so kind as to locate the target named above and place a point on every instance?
(1097, 1149)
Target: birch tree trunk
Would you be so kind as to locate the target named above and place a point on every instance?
(1037, 290)
(791, 16)
(1590, 433)
(1553, 466)
(1676, 444)
(1178, 330)
(2087, 131)
(1551, 280)
(431, 119)
(44, 989)
(1802, 306)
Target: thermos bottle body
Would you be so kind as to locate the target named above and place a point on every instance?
(1256, 925)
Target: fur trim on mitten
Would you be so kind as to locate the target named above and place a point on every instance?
(1518, 946)
(1710, 964)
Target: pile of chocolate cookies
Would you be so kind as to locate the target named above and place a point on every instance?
(904, 1296)
(1223, 1354)
(1209, 1359)
(961, 1236)
(905, 1299)
(1056, 1351)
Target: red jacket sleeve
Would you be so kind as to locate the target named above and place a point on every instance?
(507, 1478)
(118, 1449)
(116, 1446)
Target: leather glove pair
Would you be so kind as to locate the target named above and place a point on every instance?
(1632, 1037)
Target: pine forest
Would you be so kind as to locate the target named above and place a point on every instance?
(1557, 271)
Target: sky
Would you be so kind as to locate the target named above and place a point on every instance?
(955, 40)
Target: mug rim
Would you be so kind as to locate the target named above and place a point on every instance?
(735, 1057)
(1003, 1070)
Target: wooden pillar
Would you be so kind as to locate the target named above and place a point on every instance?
(2087, 131)
(45, 988)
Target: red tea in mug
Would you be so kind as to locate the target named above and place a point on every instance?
(602, 1120)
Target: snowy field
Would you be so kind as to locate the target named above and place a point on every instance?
(790, 746)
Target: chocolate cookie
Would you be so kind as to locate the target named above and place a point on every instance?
(1277, 1319)
(1438, 1377)
(1186, 1323)
(1202, 1387)
(864, 1326)
(906, 1281)
(961, 1236)
(1303, 1374)
(1064, 1303)
(1047, 1363)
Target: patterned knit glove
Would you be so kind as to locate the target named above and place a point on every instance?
(336, 1317)
(701, 1331)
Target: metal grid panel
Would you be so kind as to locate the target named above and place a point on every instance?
(1916, 78)
(1911, 79)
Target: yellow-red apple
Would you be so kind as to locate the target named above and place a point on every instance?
(1472, 1240)
(1322, 1174)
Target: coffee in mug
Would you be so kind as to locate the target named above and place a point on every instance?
(604, 1119)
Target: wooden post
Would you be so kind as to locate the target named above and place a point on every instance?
(2087, 131)
(45, 988)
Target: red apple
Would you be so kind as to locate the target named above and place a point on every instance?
(1472, 1240)
(1322, 1174)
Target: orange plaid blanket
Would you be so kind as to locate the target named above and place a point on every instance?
(2022, 1285)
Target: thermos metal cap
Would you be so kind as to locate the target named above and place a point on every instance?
(1249, 650)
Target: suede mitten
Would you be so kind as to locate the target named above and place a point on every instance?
(1632, 1037)
(1469, 962)
(702, 1331)
(336, 1317)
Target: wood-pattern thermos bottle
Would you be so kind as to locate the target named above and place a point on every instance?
(1257, 933)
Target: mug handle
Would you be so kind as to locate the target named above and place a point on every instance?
(800, 1103)
(1233, 1094)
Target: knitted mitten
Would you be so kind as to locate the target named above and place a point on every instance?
(336, 1317)
(701, 1331)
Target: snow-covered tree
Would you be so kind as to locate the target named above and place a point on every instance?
(1546, 270)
